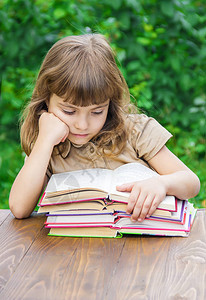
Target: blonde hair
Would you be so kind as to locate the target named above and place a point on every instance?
(81, 70)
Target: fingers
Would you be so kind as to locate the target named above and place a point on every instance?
(132, 201)
(139, 202)
(145, 196)
(127, 187)
(153, 207)
(142, 206)
(148, 208)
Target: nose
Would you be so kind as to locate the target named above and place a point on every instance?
(81, 123)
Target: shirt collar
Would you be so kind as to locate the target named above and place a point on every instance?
(66, 147)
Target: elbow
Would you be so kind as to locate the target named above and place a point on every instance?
(18, 211)
(196, 185)
(18, 214)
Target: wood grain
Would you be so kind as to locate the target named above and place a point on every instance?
(163, 268)
(65, 268)
(16, 237)
(4, 213)
(36, 266)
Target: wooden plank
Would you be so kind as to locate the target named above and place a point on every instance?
(41, 274)
(129, 268)
(65, 268)
(155, 268)
(136, 266)
(94, 268)
(3, 215)
(16, 237)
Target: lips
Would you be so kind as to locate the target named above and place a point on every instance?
(80, 134)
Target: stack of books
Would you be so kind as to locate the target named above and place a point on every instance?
(85, 203)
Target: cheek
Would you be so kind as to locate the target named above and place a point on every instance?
(100, 123)
(64, 118)
(58, 113)
(55, 111)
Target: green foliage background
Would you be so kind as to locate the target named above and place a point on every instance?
(161, 50)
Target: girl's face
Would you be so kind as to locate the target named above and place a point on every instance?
(84, 122)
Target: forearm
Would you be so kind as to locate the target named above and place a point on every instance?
(29, 183)
(176, 177)
(182, 184)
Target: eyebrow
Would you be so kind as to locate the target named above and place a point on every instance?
(71, 106)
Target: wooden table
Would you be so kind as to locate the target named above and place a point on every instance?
(36, 266)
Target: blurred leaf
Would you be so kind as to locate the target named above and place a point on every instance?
(143, 41)
(167, 8)
(59, 13)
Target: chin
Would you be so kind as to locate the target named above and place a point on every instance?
(79, 142)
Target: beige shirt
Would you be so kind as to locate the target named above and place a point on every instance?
(145, 138)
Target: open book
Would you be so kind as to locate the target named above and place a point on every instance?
(95, 184)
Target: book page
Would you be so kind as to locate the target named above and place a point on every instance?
(88, 178)
(128, 173)
(97, 204)
(136, 172)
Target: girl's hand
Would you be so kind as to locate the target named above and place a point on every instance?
(52, 129)
(145, 197)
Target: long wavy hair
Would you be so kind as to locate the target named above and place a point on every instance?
(82, 70)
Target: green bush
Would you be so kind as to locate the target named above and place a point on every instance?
(161, 50)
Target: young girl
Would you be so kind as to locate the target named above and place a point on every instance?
(77, 119)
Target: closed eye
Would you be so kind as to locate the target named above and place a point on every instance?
(98, 112)
(68, 112)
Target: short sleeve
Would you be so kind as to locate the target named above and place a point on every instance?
(147, 136)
